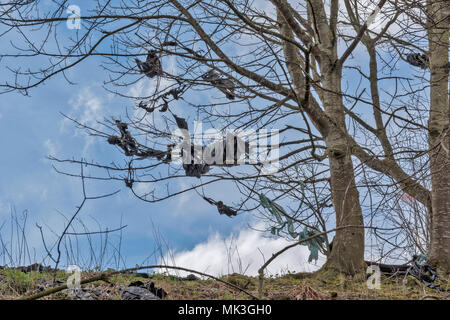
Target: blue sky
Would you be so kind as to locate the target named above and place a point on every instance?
(35, 129)
(32, 128)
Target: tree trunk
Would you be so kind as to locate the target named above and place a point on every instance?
(347, 254)
(438, 125)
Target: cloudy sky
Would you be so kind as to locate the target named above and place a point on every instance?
(183, 229)
(33, 128)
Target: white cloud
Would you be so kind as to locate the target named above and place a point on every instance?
(90, 107)
(50, 146)
(143, 189)
(87, 108)
(244, 252)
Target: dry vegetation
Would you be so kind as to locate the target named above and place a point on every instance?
(297, 286)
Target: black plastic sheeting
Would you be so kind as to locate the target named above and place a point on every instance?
(422, 271)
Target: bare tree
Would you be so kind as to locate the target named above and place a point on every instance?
(438, 25)
(278, 67)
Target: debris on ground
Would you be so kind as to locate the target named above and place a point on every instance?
(304, 292)
(83, 294)
(191, 277)
(139, 290)
(418, 269)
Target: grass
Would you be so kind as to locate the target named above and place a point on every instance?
(15, 282)
(295, 286)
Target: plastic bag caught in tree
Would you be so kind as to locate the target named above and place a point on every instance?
(314, 245)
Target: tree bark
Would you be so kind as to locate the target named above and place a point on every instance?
(438, 139)
(347, 255)
(348, 244)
